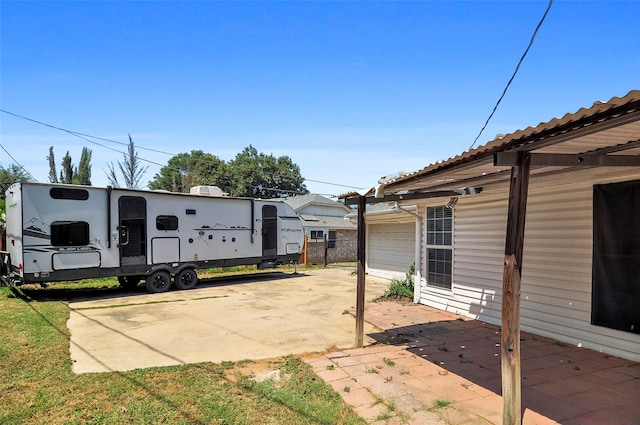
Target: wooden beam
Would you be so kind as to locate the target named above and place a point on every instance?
(360, 287)
(371, 199)
(510, 332)
(568, 160)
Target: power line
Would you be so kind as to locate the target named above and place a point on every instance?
(86, 137)
(17, 163)
(83, 135)
(514, 74)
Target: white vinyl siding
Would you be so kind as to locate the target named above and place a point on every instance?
(391, 249)
(556, 275)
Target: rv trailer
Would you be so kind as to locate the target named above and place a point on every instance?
(58, 232)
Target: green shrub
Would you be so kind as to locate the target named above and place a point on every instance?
(402, 288)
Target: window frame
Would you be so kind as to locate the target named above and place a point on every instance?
(168, 220)
(65, 233)
(331, 239)
(438, 235)
(316, 235)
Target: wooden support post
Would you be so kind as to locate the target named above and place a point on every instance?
(510, 334)
(360, 274)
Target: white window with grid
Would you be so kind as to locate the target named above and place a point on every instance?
(439, 233)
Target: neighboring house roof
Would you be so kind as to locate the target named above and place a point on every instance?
(303, 204)
(301, 201)
(324, 221)
(606, 128)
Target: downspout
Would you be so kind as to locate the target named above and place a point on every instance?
(417, 278)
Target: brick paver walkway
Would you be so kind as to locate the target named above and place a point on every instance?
(433, 367)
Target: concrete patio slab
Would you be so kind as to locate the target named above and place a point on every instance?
(253, 317)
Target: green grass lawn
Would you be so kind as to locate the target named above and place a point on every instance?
(37, 385)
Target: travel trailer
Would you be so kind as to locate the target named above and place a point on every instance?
(57, 232)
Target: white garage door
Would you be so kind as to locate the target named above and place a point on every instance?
(391, 249)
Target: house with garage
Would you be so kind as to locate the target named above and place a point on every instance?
(390, 239)
(330, 237)
(538, 229)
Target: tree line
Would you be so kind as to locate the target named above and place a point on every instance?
(250, 173)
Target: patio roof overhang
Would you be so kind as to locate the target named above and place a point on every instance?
(607, 135)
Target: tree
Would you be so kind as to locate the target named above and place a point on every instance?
(53, 175)
(131, 170)
(66, 174)
(8, 176)
(191, 169)
(82, 174)
(258, 175)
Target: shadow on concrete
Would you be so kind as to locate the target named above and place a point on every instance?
(559, 381)
(51, 293)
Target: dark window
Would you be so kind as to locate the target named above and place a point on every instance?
(439, 246)
(317, 235)
(69, 233)
(331, 242)
(67, 193)
(167, 222)
(615, 294)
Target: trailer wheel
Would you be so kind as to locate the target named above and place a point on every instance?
(159, 281)
(129, 282)
(186, 279)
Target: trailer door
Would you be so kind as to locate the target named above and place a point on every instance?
(269, 231)
(132, 227)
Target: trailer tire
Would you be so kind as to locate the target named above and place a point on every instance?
(129, 282)
(158, 281)
(186, 279)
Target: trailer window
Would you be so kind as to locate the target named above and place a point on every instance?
(67, 193)
(167, 222)
(69, 233)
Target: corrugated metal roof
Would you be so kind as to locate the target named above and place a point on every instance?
(613, 126)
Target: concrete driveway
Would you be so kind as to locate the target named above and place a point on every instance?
(255, 317)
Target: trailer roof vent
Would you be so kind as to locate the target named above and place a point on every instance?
(207, 191)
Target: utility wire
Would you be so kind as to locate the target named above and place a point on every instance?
(78, 134)
(514, 74)
(19, 165)
(86, 137)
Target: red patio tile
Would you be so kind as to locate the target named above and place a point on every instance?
(346, 361)
(370, 412)
(629, 388)
(560, 410)
(531, 417)
(596, 399)
(356, 397)
(560, 388)
(487, 408)
(355, 370)
(632, 370)
(532, 396)
(329, 375)
(627, 414)
(593, 418)
(610, 376)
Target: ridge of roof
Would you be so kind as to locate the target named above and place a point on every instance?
(300, 201)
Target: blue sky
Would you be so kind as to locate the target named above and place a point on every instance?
(351, 91)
